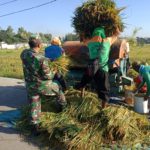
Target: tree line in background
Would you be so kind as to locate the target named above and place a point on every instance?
(139, 41)
(21, 36)
(71, 37)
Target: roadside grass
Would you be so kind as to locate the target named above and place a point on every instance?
(11, 66)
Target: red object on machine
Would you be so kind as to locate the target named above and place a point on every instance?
(138, 80)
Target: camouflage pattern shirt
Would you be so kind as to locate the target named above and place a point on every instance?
(36, 70)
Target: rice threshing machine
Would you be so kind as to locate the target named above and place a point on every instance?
(78, 53)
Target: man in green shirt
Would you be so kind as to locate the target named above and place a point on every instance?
(99, 49)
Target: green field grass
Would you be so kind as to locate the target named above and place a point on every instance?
(140, 54)
(10, 63)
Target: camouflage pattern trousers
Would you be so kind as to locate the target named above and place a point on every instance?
(35, 108)
(34, 96)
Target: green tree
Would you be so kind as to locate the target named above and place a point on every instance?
(71, 37)
(22, 35)
(43, 38)
(3, 36)
(9, 33)
(132, 39)
(48, 37)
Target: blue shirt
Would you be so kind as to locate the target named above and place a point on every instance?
(53, 52)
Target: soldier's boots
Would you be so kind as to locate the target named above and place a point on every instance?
(35, 130)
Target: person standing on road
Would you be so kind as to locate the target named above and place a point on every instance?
(39, 80)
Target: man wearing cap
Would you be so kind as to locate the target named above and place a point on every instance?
(39, 79)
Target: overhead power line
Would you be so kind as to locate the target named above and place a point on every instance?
(26, 9)
(2, 4)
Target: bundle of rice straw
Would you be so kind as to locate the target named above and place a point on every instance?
(61, 64)
(97, 13)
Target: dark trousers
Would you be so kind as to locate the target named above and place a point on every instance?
(101, 79)
(59, 77)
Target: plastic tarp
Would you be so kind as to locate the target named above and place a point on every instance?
(8, 118)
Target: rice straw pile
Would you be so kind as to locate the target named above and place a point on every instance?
(84, 125)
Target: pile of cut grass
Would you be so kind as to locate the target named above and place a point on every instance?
(84, 125)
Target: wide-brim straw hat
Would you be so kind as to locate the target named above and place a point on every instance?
(56, 41)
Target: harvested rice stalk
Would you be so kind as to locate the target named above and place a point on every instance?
(123, 125)
(82, 126)
(88, 138)
(97, 13)
(61, 64)
(82, 108)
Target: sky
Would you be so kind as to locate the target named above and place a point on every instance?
(55, 18)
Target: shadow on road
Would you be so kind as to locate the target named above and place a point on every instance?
(7, 130)
(13, 96)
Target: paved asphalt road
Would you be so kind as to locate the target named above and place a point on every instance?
(12, 96)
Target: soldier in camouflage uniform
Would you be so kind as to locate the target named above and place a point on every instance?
(39, 79)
